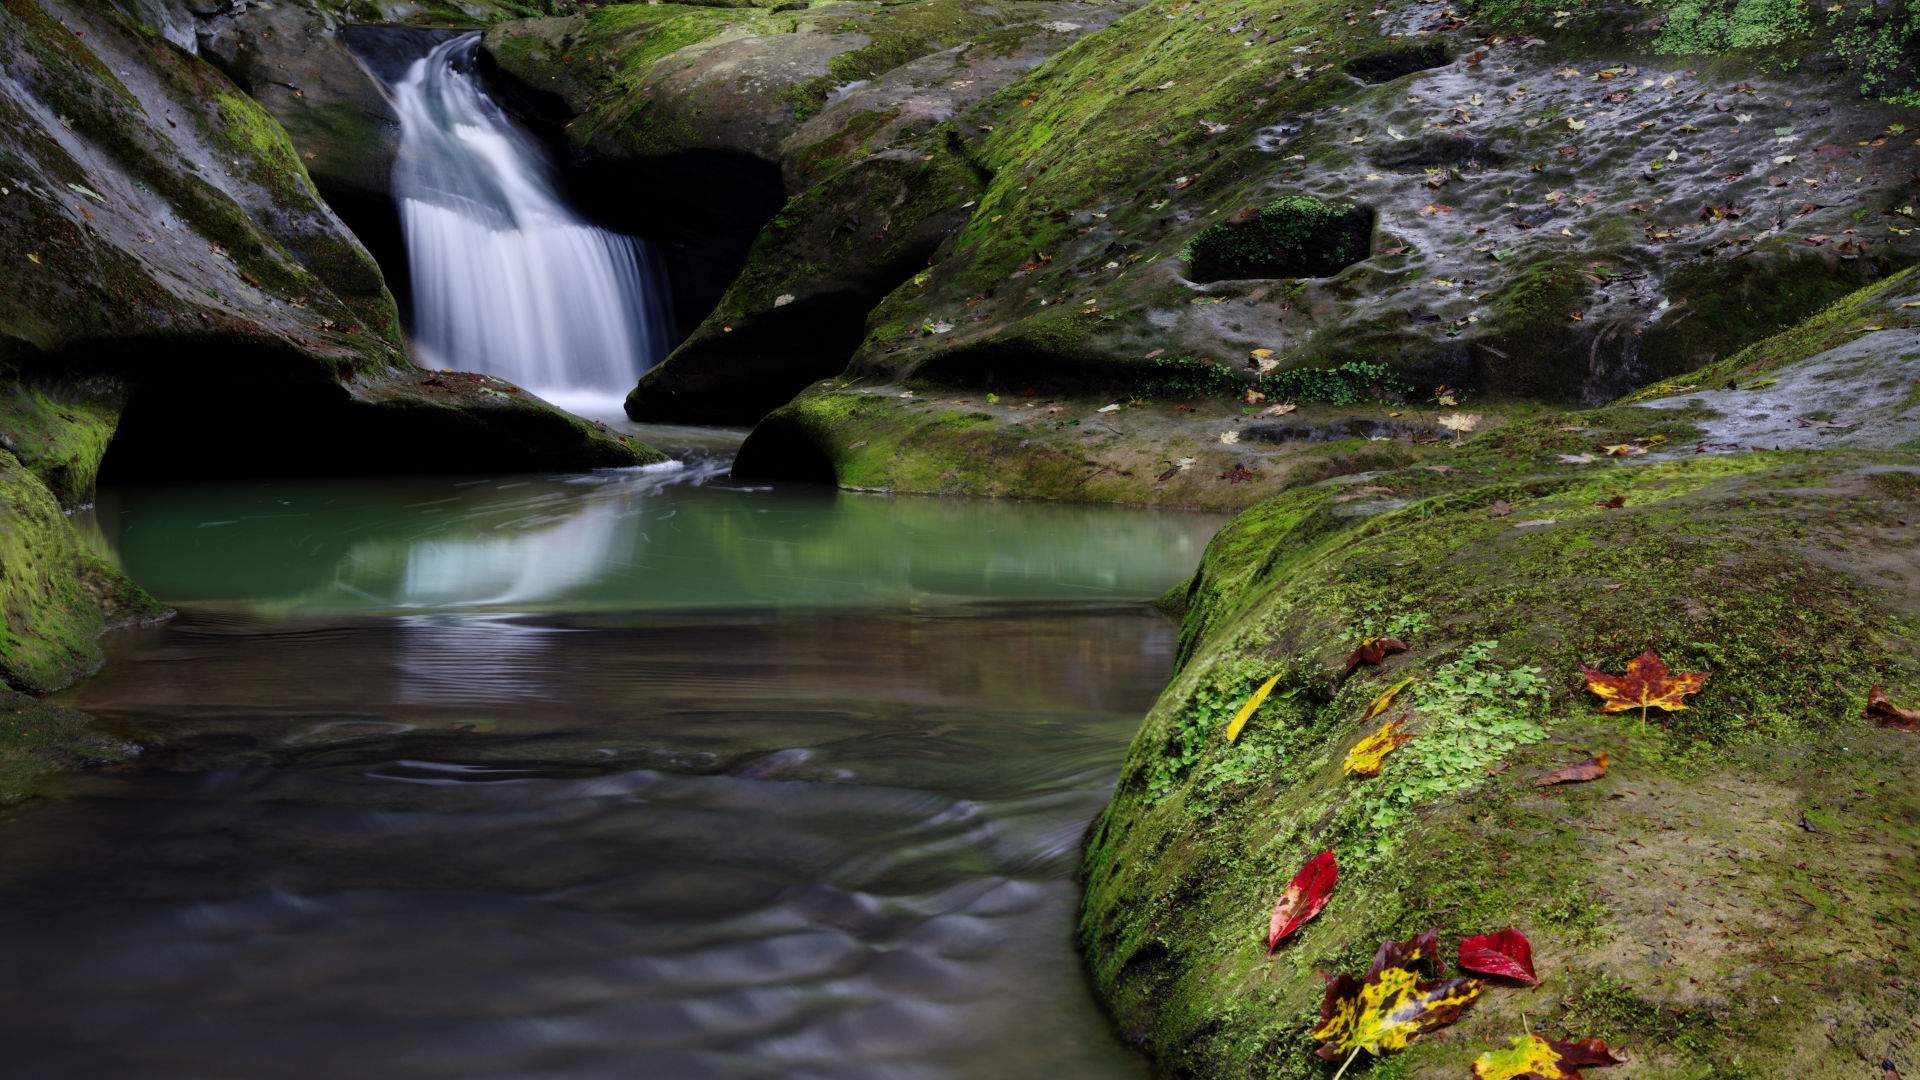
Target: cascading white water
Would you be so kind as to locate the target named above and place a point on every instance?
(506, 279)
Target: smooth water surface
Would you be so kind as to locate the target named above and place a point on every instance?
(589, 777)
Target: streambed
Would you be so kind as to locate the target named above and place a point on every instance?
(629, 774)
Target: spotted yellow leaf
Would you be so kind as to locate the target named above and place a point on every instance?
(1530, 1057)
(1392, 1006)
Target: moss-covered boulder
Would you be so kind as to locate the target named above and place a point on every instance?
(1293, 236)
(56, 594)
(1731, 898)
(1560, 220)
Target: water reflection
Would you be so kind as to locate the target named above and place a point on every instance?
(631, 774)
(730, 845)
(675, 536)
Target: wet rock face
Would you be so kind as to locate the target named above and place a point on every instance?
(1557, 220)
(292, 59)
(851, 110)
(1295, 236)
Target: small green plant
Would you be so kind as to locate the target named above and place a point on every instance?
(1288, 237)
(1187, 377)
(1468, 715)
(1347, 384)
(1382, 618)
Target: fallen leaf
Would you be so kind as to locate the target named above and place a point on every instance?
(1281, 409)
(1113, 408)
(1392, 1006)
(1500, 508)
(1239, 474)
(1507, 954)
(1373, 650)
(1460, 422)
(1646, 685)
(1384, 700)
(1576, 459)
(1579, 772)
(1614, 503)
(1252, 706)
(1624, 450)
(1880, 709)
(1370, 753)
(1229, 437)
(1306, 894)
(1530, 1057)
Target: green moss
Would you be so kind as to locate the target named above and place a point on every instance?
(56, 595)
(1838, 323)
(60, 436)
(1732, 565)
(1291, 236)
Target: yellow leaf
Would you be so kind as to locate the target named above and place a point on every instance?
(1385, 700)
(1253, 705)
(1367, 755)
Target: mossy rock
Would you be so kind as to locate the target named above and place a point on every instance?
(1644, 893)
(1292, 236)
(56, 594)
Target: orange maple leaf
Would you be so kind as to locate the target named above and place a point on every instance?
(1647, 684)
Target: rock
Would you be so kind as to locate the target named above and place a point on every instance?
(292, 59)
(1387, 65)
(1787, 570)
(56, 594)
(1513, 256)
(38, 738)
(845, 107)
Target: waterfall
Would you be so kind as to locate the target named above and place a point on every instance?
(506, 279)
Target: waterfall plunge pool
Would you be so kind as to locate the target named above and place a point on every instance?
(625, 774)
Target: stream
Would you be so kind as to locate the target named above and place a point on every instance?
(634, 773)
